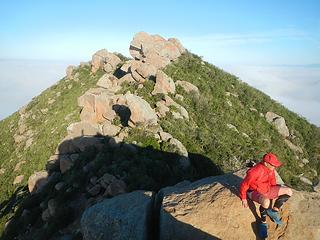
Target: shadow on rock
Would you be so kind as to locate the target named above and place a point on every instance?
(185, 231)
(86, 170)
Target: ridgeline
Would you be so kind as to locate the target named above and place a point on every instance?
(116, 125)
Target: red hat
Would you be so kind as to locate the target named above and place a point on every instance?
(271, 159)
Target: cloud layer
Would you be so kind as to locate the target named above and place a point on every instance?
(296, 87)
(21, 80)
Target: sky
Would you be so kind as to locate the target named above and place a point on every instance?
(272, 45)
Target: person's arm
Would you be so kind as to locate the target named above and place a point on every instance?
(244, 186)
(273, 180)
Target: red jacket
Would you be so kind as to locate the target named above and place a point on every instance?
(259, 178)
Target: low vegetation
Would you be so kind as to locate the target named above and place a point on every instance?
(226, 128)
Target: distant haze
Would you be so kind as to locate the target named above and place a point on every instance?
(296, 87)
(21, 80)
(273, 45)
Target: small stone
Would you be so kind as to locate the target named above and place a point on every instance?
(305, 180)
(88, 167)
(69, 190)
(65, 163)
(107, 178)
(94, 190)
(93, 180)
(18, 166)
(29, 143)
(316, 188)
(52, 206)
(43, 205)
(165, 136)
(232, 127)
(176, 115)
(69, 71)
(50, 101)
(45, 215)
(59, 186)
(115, 188)
(25, 213)
(314, 172)
(37, 181)
(245, 135)
(44, 110)
(74, 157)
(18, 179)
(179, 97)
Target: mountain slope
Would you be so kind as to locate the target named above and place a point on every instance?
(226, 100)
(47, 124)
(225, 125)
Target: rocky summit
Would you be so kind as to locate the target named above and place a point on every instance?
(151, 147)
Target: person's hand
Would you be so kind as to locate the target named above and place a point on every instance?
(244, 203)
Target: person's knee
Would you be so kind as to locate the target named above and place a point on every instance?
(285, 191)
(265, 202)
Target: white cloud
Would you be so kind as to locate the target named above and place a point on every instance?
(296, 87)
(279, 46)
(243, 38)
(65, 46)
(21, 80)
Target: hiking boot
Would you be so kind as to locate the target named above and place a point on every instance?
(275, 216)
(263, 230)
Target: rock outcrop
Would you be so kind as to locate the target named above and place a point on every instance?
(279, 123)
(37, 180)
(206, 209)
(211, 209)
(141, 111)
(164, 84)
(104, 59)
(154, 49)
(102, 108)
(188, 87)
(122, 217)
(293, 147)
(69, 72)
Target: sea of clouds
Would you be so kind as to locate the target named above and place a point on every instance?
(296, 87)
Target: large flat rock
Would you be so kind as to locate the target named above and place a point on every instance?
(123, 217)
(211, 209)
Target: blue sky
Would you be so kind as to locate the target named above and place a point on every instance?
(230, 34)
(279, 32)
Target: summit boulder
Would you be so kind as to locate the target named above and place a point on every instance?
(154, 49)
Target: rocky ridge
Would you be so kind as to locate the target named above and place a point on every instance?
(206, 209)
(105, 112)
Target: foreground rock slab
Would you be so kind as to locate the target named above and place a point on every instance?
(210, 209)
(123, 217)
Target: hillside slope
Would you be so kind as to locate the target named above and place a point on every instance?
(224, 100)
(222, 126)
